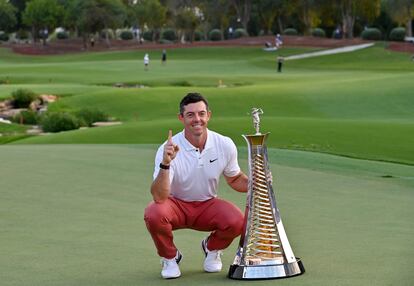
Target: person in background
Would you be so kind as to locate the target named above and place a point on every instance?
(164, 57)
(146, 62)
(280, 61)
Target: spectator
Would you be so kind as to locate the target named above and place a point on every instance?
(278, 41)
(230, 35)
(164, 57)
(146, 62)
(280, 61)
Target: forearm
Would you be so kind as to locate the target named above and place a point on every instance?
(160, 188)
(239, 182)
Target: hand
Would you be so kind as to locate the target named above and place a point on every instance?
(170, 150)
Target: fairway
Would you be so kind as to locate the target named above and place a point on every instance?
(356, 104)
(73, 215)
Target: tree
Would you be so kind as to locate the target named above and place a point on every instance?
(268, 11)
(91, 16)
(215, 14)
(402, 12)
(188, 21)
(42, 14)
(8, 18)
(350, 9)
(152, 14)
(20, 6)
(243, 9)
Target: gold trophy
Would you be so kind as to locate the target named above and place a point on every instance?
(264, 251)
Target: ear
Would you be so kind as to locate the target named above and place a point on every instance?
(209, 115)
(180, 117)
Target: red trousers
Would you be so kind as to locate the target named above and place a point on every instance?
(222, 218)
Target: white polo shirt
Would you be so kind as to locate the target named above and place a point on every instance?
(194, 176)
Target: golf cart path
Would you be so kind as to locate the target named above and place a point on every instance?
(346, 49)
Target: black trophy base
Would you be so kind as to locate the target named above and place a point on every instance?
(275, 271)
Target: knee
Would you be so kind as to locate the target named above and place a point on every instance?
(155, 214)
(233, 225)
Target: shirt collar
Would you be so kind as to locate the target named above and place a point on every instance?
(189, 147)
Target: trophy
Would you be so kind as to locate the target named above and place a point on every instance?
(264, 251)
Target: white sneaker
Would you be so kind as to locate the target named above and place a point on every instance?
(170, 267)
(212, 262)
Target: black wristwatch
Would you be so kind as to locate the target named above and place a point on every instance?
(164, 167)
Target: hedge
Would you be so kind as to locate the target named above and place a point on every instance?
(318, 32)
(290, 32)
(397, 34)
(372, 34)
(215, 35)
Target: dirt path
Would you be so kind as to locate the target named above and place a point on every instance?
(76, 45)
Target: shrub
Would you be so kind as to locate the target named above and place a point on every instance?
(215, 35)
(372, 34)
(22, 98)
(290, 32)
(163, 41)
(26, 117)
(198, 36)
(56, 122)
(318, 32)
(147, 35)
(181, 83)
(126, 35)
(397, 34)
(87, 116)
(240, 33)
(169, 35)
(4, 37)
(62, 35)
(22, 34)
(111, 34)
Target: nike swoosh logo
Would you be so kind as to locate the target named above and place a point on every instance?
(211, 161)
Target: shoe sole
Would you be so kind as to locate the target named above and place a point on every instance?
(178, 260)
(172, 277)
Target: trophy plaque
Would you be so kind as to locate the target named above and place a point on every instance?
(264, 251)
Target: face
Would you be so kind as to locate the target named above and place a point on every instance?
(195, 118)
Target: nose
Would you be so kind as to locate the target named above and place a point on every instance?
(197, 117)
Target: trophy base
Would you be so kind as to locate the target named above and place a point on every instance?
(276, 271)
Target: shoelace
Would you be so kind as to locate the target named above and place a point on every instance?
(217, 255)
(166, 262)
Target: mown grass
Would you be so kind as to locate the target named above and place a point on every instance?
(356, 104)
(73, 215)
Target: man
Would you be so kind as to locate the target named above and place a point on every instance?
(280, 61)
(187, 170)
(146, 62)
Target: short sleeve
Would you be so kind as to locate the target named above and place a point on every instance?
(232, 168)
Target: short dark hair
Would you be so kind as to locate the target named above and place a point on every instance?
(192, 97)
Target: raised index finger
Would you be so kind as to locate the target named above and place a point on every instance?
(169, 136)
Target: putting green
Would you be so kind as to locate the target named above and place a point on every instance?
(72, 215)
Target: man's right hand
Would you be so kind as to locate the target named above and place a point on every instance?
(170, 150)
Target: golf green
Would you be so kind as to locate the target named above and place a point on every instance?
(73, 215)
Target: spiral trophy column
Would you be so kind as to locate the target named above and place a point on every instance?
(264, 251)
